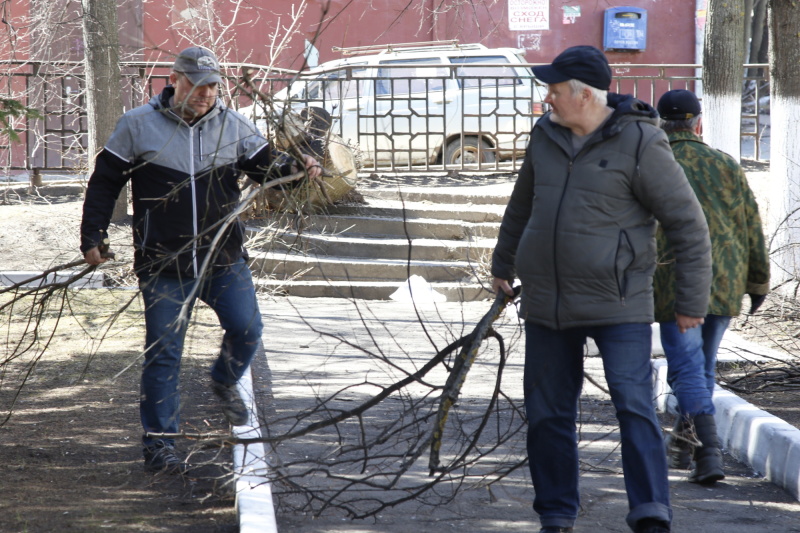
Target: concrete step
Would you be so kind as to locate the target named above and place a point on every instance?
(385, 248)
(366, 290)
(381, 207)
(495, 194)
(362, 250)
(282, 266)
(414, 228)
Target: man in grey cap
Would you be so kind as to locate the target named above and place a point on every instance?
(579, 231)
(184, 153)
(196, 78)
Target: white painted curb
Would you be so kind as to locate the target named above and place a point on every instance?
(767, 444)
(254, 505)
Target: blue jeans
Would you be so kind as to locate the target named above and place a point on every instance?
(692, 363)
(230, 293)
(553, 379)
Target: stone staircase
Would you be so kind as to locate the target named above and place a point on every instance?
(367, 251)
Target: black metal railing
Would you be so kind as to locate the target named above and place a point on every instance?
(398, 117)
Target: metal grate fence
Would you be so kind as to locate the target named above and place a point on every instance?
(399, 117)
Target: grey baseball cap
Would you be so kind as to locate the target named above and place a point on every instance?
(198, 64)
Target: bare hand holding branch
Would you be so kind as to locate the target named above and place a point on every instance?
(312, 167)
(99, 254)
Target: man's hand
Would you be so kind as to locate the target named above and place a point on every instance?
(502, 285)
(312, 167)
(685, 323)
(95, 257)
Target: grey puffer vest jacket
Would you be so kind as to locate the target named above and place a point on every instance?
(184, 182)
(579, 229)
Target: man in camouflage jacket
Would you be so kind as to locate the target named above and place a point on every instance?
(740, 266)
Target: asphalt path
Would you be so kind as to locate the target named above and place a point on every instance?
(318, 346)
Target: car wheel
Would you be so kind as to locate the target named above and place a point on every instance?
(455, 154)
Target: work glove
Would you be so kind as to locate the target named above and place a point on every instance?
(755, 302)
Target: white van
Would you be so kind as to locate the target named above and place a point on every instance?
(425, 103)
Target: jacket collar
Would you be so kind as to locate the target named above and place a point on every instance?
(684, 135)
(626, 109)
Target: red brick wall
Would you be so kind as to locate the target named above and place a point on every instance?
(670, 32)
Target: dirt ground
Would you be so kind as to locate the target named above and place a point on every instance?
(771, 385)
(70, 444)
(72, 460)
(70, 439)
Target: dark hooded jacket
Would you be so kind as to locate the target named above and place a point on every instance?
(184, 184)
(579, 228)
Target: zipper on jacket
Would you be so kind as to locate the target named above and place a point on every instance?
(572, 159)
(200, 135)
(194, 200)
(555, 241)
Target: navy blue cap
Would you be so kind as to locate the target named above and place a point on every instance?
(582, 63)
(678, 104)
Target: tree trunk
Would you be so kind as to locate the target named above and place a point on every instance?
(784, 206)
(723, 75)
(758, 37)
(748, 26)
(759, 27)
(103, 98)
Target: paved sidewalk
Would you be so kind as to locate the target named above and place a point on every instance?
(304, 362)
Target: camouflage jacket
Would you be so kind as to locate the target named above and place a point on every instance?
(739, 254)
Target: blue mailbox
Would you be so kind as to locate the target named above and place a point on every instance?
(625, 29)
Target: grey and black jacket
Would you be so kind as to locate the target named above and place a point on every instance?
(579, 229)
(184, 184)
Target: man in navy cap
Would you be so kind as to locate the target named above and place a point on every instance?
(740, 266)
(184, 153)
(579, 232)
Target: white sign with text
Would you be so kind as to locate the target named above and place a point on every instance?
(524, 15)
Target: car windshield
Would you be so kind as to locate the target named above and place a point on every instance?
(335, 85)
(408, 80)
(471, 74)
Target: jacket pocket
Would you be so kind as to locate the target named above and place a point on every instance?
(622, 262)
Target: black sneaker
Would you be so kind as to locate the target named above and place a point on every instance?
(679, 444)
(232, 405)
(651, 525)
(555, 529)
(161, 457)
